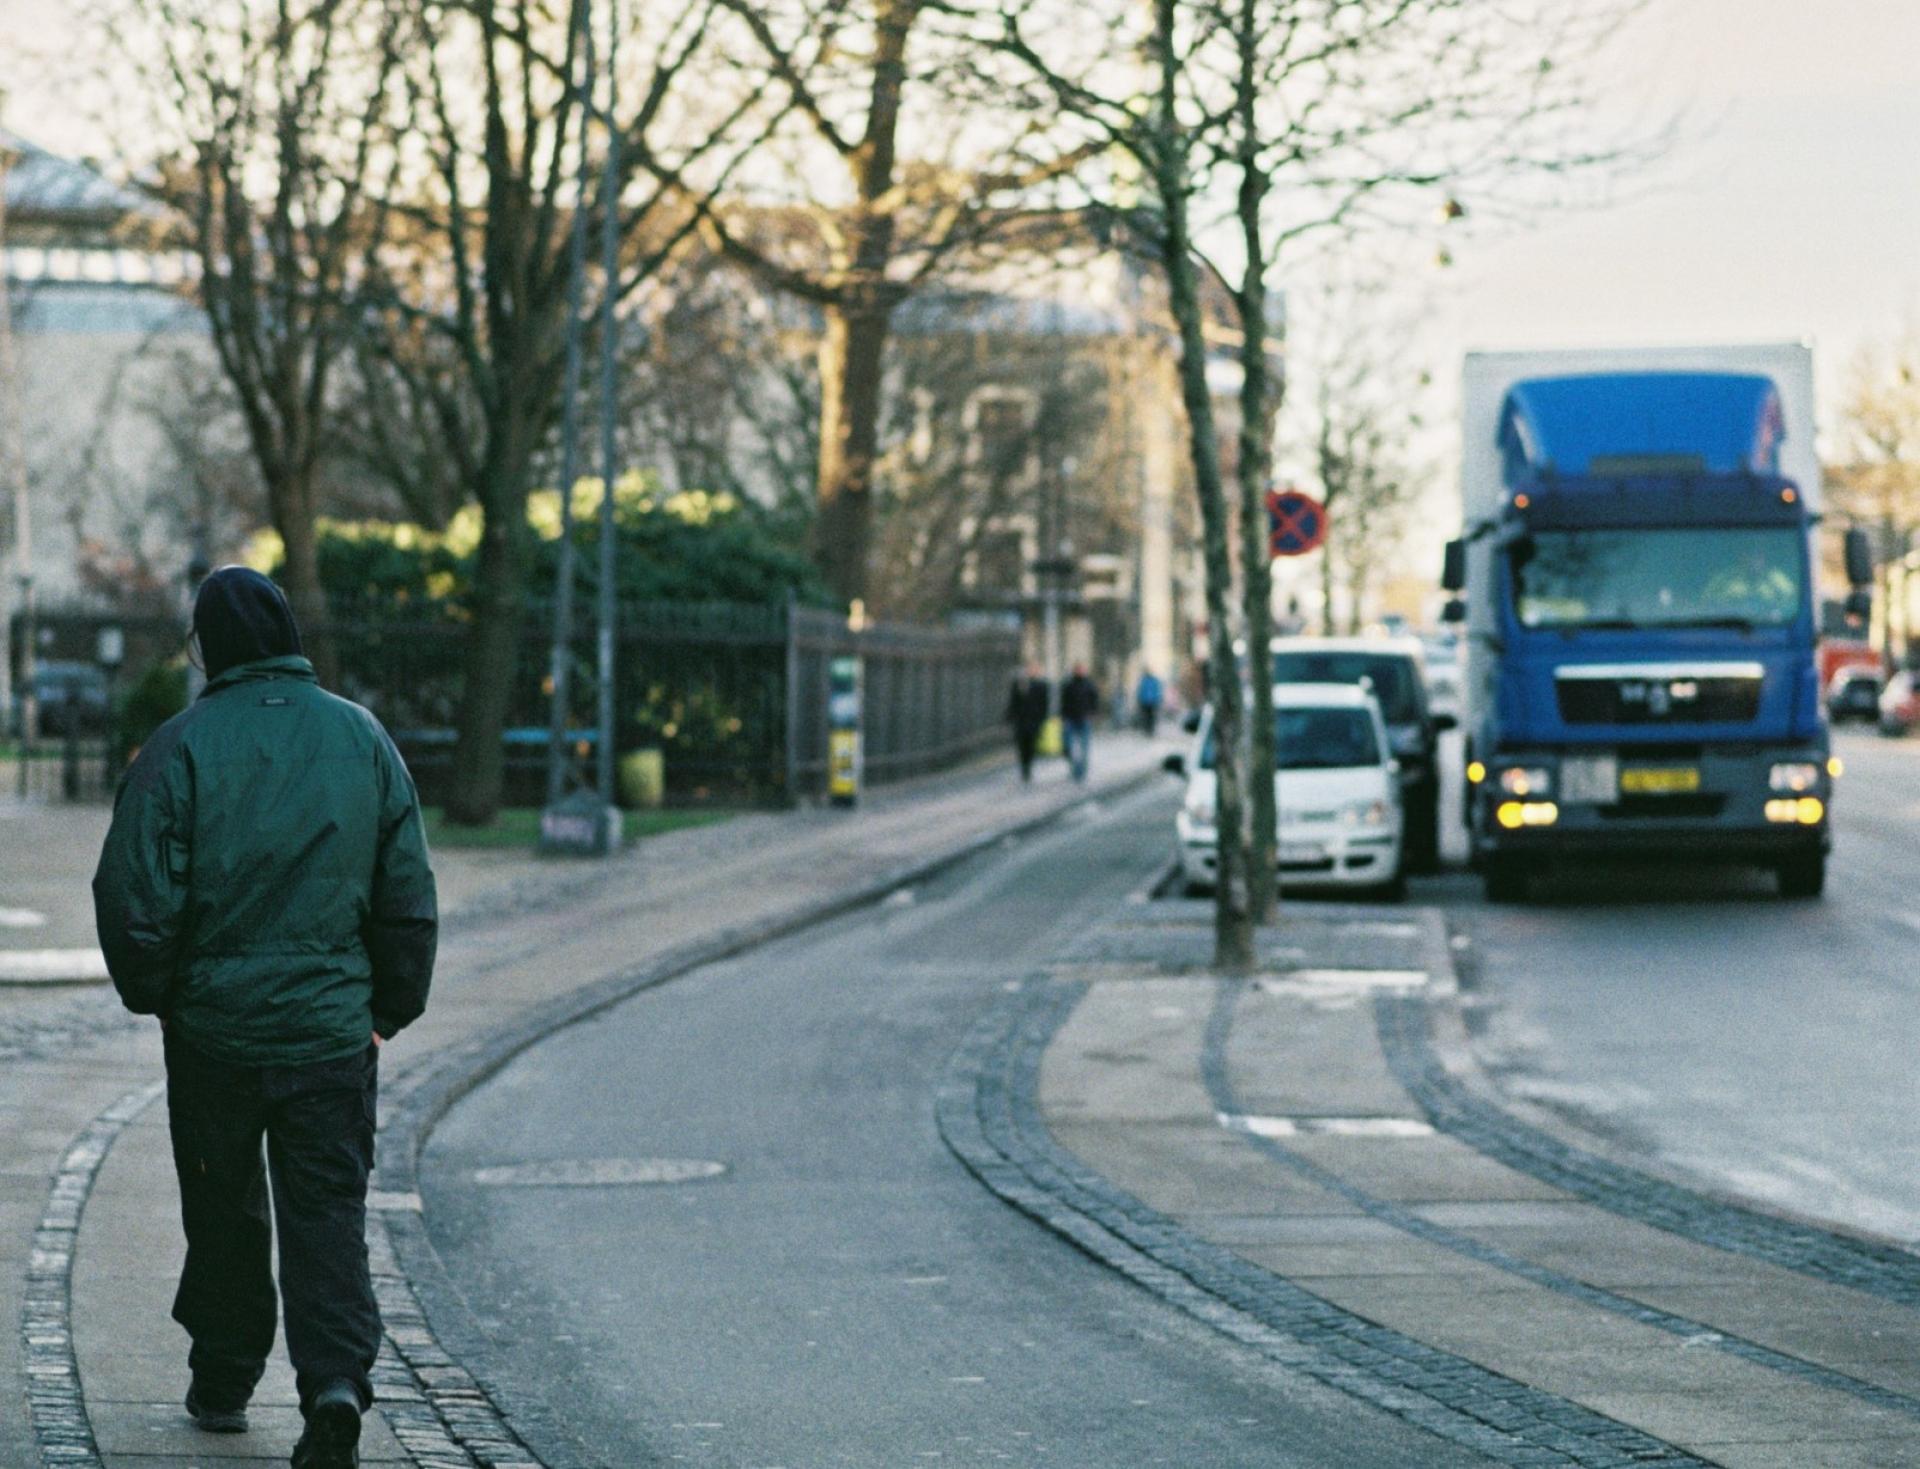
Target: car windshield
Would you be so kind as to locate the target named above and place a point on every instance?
(1391, 675)
(1317, 739)
(1710, 576)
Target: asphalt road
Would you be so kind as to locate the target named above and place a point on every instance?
(844, 1293)
(1765, 1047)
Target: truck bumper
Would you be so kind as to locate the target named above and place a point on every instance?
(1725, 818)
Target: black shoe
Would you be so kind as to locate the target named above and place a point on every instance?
(214, 1420)
(331, 1439)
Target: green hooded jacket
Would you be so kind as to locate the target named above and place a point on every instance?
(264, 887)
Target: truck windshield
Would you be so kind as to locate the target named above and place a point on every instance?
(1694, 577)
(1318, 739)
(1390, 674)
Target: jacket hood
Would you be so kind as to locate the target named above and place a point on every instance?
(242, 617)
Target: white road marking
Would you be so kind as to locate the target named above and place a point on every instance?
(1321, 983)
(52, 966)
(21, 918)
(597, 1172)
(1279, 1127)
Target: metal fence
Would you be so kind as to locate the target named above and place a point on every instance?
(734, 696)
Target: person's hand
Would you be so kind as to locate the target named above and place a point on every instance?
(377, 1042)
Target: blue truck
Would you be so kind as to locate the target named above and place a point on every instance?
(1637, 575)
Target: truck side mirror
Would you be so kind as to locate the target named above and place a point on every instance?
(1453, 570)
(1859, 558)
(1454, 611)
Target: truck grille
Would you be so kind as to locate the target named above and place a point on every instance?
(1726, 693)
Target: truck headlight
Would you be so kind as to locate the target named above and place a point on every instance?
(1527, 780)
(1794, 776)
(1367, 813)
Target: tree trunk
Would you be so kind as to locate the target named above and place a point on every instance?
(1232, 923)
(492, 658)
(852, 353)
(1327, 626)
(292, 504)
(1256, 557)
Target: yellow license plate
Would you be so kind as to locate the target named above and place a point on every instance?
(1644, 782)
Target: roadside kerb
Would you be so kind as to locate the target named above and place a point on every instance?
(988, 1112)
(1424, 1039)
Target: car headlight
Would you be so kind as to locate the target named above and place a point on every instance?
(1527, 780)
(1200, 810)
(1367, 813)
(1795, 776)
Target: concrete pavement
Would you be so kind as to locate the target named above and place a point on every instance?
(89, 1241)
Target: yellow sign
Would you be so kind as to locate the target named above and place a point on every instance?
(1678, 781)
(843, 764)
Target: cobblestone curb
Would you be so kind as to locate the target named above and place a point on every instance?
(54, 1401)
(1214, 1073)
(988, 1112)
(1405, 1025)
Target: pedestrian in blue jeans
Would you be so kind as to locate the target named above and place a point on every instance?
(1079, 702)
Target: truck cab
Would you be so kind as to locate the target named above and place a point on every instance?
(1642, 679)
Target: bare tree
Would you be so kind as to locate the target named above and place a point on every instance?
(263, 122)
(1134, 94)
(890, 195)
(468, 303)
(1341, 115)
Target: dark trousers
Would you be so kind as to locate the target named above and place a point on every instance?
(316, 1122)
(1077, 736)
(1025, 742)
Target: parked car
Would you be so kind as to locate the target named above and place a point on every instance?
(1337, 789)
(1854, 694)
(1899, 704)
(72, 698)
(1391, 667)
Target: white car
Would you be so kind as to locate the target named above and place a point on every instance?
(1337, 788)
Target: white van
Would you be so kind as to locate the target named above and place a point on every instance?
(1337, 789)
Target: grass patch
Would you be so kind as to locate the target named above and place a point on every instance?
(519, 827)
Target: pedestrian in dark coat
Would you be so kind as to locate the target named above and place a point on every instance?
(1079, 703)
(1027, 713)
(265, 891)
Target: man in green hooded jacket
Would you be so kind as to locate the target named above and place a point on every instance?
(265, 891)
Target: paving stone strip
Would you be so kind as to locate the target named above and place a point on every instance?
(1404, 1023)
(59, 1413)
(988, 1112)
(1214, 1073)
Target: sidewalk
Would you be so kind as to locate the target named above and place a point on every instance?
(1307, 1160)
(520, 933)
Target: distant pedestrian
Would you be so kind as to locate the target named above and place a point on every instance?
(1027, 713)
(264, 890)
(1079, 702)
(1148, 697)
